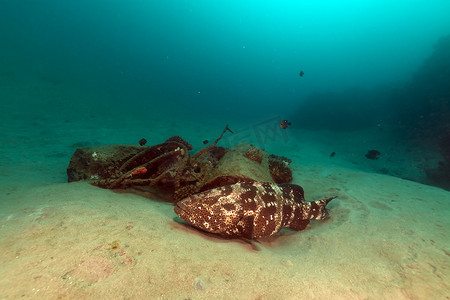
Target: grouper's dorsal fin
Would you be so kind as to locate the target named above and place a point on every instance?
(296, 190)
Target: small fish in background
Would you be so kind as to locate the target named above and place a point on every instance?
(373, 154)
(332, 154)
(301, 73)
(142, 142)
(205, 142)
(284, 124)
(380, 128)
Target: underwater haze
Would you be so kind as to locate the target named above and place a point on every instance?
(220, 55)
(212, 149)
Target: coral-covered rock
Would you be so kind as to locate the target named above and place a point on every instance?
(170, 167)
(279, 170)
(181, 141)
(226, 180)
(255, 154)
(235, 164)
(185, 191)
(99, 162)
(115, 166)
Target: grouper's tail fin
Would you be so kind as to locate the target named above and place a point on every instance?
(327, 200)
(318, 209)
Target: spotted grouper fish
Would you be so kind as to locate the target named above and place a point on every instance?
(251, 210)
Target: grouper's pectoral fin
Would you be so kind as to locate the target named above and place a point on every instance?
(298, 224)
(245, 227)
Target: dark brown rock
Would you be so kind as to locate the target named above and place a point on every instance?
(169, 167)
(99, 162)
(279, 170)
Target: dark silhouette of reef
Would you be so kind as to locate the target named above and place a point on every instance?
(352, 109)
(418, 109)
(424, 104)
(424, 109)
(417, 112)
(440, 176)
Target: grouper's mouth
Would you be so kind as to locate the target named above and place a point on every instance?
(180, 210)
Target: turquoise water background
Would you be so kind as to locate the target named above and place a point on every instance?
(380, 66)
(222, 53)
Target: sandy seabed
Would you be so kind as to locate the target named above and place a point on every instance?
(387, 238)
(77, 241)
